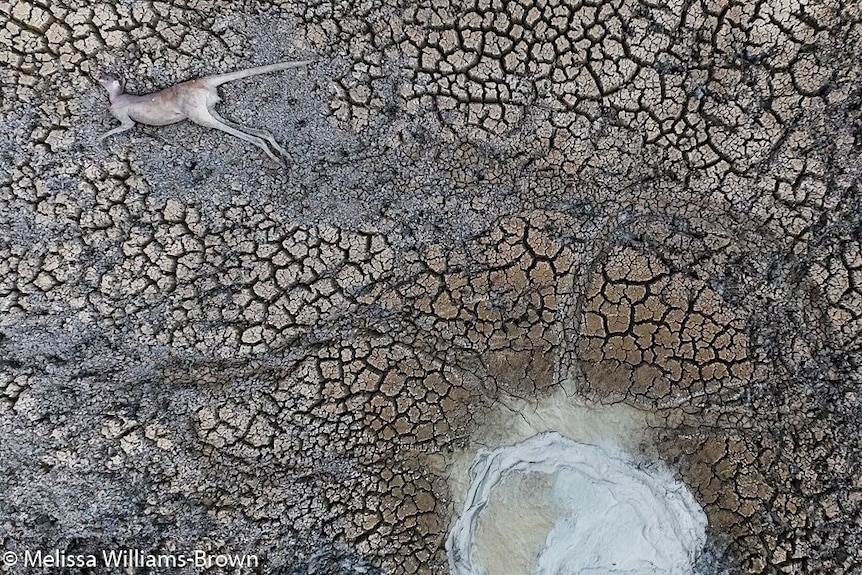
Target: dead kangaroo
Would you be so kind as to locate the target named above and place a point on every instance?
(194, 100)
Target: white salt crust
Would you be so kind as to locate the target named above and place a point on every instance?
(552, 506)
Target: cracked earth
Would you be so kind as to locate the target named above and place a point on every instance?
(485, 200)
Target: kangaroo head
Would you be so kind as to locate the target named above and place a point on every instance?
(113, 84)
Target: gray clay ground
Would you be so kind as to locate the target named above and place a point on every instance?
(658, 200)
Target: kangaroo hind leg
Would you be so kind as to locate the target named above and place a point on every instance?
(206, 119)
(263, 134)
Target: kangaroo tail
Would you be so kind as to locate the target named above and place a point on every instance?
(219, 79)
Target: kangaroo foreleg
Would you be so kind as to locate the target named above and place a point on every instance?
(125, 124)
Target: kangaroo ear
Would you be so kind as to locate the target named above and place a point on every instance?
(105, 76)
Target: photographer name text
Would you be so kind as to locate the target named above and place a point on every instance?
(129, 558)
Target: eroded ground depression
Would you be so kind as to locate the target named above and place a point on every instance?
(633, 224)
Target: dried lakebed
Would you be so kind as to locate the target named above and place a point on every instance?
(658, 201)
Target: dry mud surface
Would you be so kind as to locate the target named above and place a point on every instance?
(656, 204)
